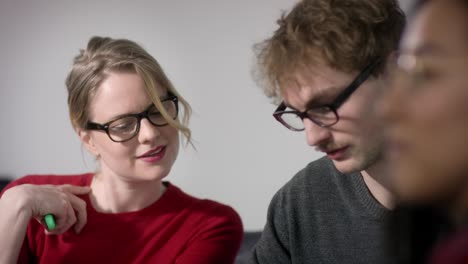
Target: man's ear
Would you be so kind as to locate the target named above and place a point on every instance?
(88, 141)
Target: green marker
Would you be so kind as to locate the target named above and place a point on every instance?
(49, 220)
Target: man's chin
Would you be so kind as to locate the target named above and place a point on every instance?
(346, 166)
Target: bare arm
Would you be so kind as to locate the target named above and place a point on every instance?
(23, 202)
(14, 218)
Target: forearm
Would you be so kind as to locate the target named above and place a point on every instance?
(14, 219)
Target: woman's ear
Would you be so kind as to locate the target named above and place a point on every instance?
(391, 64)
(88, 141)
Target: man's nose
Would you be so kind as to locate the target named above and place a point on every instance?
(315, 134)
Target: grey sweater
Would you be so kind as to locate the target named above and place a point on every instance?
(324, 216)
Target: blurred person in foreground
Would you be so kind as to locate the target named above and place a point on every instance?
(427, 116)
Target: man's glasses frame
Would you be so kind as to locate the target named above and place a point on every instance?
(329, 109)
(139, 116)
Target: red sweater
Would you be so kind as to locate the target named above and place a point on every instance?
(452, 250)
(177, 228)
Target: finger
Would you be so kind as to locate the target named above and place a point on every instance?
(40, 220)
(79, 206)
(64, 217)
(71, 217)
(66, 222)
(77, 190)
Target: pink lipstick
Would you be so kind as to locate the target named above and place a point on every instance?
(153, 155)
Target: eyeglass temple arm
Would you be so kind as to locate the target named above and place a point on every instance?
(356, 83)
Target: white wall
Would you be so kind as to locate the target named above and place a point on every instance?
(243, 156)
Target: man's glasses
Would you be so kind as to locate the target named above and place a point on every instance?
(326, 115)
(126, 127)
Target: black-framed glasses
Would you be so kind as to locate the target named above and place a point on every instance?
(126, 127)
(326, 115)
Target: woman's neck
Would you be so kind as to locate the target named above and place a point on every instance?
(458, 209)
(110, 194)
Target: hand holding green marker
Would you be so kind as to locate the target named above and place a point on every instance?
(49, 220)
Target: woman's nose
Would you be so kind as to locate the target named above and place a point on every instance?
(148, 131)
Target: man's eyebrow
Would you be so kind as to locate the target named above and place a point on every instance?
(321, 98)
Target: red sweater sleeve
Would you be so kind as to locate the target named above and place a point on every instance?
(218, 242)
(25, 252)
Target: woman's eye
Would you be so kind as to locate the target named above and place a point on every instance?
(155, 113)
(124, 126)
(423, 74)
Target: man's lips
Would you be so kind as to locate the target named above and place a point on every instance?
(152, 152)
(329, 151)
(336, 153)
(333, 151)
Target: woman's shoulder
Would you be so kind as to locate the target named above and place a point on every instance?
(39, 179)
(202, 206)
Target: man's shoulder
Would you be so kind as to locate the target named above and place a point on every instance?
(316, 179)
(318, 171)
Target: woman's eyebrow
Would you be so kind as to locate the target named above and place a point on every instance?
(426, 49)
(133, 113)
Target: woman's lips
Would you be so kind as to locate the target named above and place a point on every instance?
(154, 155)
(395, 148)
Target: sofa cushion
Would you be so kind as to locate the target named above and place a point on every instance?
(249, 241)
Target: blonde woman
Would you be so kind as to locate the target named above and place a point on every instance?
(126, 113)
